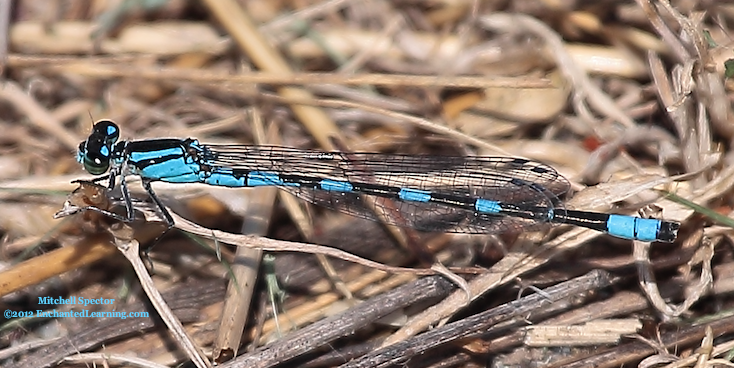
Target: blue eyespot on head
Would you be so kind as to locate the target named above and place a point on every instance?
(106, 130)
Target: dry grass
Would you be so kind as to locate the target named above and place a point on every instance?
(624, 99)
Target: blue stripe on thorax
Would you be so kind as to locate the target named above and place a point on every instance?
(225, 179)
(169, 164)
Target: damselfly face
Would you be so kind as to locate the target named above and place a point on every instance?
(95, 153)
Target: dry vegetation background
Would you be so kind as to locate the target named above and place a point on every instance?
(625, 98)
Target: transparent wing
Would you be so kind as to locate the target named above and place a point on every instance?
(518, 182)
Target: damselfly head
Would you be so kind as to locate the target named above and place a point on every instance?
(95, 153)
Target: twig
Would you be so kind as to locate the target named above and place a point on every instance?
(130, 248)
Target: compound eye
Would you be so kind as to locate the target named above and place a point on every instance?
(96, 156)
(96, 151)
(95, 166)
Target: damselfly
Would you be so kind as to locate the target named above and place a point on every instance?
(464, 194)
